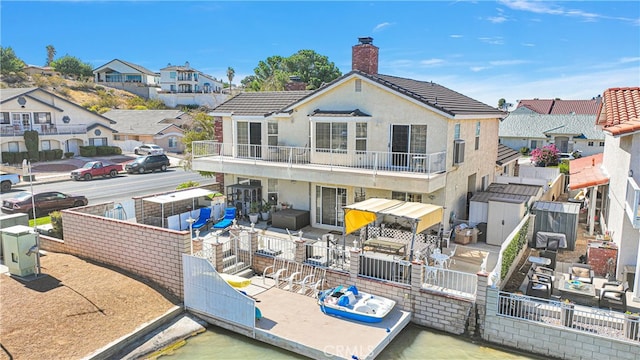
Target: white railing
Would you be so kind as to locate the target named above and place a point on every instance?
(632, 205)
(596, 322)
(387, 269)
(43, 129)
(319, 254)
(276, 247)
(207, 252)
(450, 281)
(369, 160)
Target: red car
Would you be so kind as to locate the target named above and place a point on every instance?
(45, 202)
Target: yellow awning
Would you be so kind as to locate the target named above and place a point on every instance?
(365, 212)
(426, 215)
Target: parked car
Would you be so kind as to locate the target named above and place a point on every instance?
(147, 163)
(565, 156)
(95, 168)
(45, 202)
(7, 180)
(148, 149)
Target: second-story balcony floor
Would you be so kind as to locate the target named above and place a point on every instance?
(409, 172)
(43, 129)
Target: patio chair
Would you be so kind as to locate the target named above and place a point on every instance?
(551, 255)
(613, 296)
(227, 221)
(581, 272)
(539, 289)
(203, 220)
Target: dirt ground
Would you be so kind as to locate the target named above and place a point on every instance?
(76, 309)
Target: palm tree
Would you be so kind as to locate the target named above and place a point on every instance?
(230, 74)
(51, 53)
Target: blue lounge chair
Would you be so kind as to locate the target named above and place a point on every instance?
(204, 219)
(229, 215)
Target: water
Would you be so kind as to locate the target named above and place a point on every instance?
(414, 342)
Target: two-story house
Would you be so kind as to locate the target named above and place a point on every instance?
(185, 79)
(124, 75)
(363, 135)
(61, 124)
(566, 123)
(619, 117)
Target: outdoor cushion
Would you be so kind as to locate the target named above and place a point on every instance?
(580, 272)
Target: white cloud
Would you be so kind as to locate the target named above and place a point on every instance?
(431, 62)
(497, 19)
(381, 26)
(549, 8)
(625, 60)
(492, 40)
(507, 62)
(455, 36)
(528, 44)
(478, 68)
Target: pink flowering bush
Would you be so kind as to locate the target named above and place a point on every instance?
(546, 156)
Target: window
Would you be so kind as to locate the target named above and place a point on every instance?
(172, 75)
(590, 143)
(5, 119)
(358, 85)
(98, 141)
(477, 135)
(534, 144)
(272, 133)
(458, 152)
(45, 145)
(397, 195)
(485, 182)
(359, 194)
(42, 118)
(272, 191)
(173, 142)
(456, 132)
(601, 143)
(506, 170)
(13, 146)
(361, 137)
(331, 137)
(418, 142)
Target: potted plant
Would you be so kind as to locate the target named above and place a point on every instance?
(632, 325)
(254, 212)
(265, 211)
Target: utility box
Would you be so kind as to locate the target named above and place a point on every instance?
(17, 241)
(9, 220)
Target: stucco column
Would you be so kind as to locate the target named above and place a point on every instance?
(593, 197)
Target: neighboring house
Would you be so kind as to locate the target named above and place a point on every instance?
(40, 70)
(507, 161)
(161, 127)
(619, 117)
(363, 135)
(569, 132)
(185, 79)
(127, 76)
(561, 107)
(60, 123)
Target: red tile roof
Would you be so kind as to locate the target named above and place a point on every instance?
(560, 107)
(586, 172)
(619, 113)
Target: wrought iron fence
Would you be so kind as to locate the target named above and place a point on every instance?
(276, 247)
(450, 281)
(385, 268)
(319, 254)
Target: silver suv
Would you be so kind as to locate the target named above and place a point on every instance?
(148, 149)
(148, 163)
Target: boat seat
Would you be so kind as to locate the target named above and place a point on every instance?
(347, 299)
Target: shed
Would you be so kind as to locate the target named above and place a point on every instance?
(557, 217)
(533, 191)
(479, 204)
(503, 216)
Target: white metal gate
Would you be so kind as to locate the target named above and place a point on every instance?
(206, 292)
(237, 255)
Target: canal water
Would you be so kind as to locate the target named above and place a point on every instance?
(414, 342)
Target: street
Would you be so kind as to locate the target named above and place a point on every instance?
(120, 188)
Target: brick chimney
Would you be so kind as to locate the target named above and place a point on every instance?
(365, 56)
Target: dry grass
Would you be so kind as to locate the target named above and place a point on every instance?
(76, 309)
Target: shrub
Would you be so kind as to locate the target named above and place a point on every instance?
(49, 155)
(88, 151)
(546, 156)
(68, 155)
(57, 154)
(524, 150)
(32, 142)
(564, 167)
(103, 150)
(9, 157)
(513, 249)
(188, 184)
(56, 224)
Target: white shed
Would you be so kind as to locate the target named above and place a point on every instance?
(503, 216)
(479, 205)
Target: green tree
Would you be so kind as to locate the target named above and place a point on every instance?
(51, 54)
(312, 68)
(501, 103)
(70, 65)
(201, 129)
(9, 62)
(230, 74)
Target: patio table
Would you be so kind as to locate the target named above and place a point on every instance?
(584, 294)
(386, 245)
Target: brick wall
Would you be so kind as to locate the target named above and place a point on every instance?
(548, 340)
(147, 251)
(150, 213)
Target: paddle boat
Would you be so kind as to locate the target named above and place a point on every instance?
(349, 303)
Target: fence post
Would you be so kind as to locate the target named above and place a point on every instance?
(417, 274)
(301, 250)
(354, 265)
(218, 255)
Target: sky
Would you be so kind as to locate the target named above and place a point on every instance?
(487, 50)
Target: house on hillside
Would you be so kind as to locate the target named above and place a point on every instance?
(40, 70)
(361, 136)
(619, 118)
(124, 75)
(164, 128)
(569, 132)
(61, 124)
(183, 79)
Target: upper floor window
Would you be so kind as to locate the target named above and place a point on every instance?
(5, 118)
(477, 135)
(601, 143)
(590, 143)
(456, 132)
(272, 133)
(361, 136)
(172, 75)
(358, 83)
(331, 136)
(42, 118)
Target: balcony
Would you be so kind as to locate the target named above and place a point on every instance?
(348, 167)
(632, 203)
(43, 129)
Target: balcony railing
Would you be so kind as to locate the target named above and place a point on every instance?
(632, 205)
(366, 160)
(43, 129)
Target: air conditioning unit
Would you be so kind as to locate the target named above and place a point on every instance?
(458, 151)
